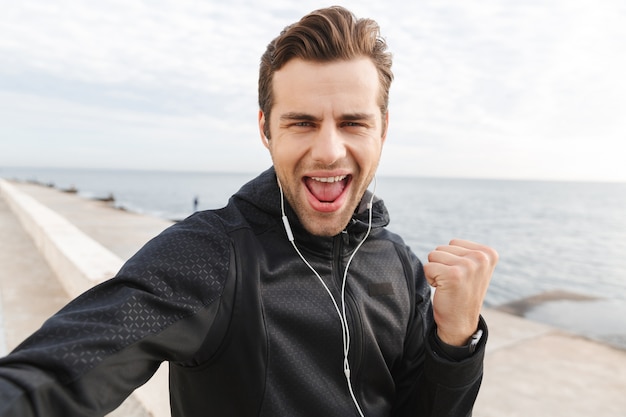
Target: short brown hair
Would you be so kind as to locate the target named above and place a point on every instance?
(325, 35)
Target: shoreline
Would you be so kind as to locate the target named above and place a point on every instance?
(580, 314)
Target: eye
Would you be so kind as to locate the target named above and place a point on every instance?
(353, 124)
(303, 124)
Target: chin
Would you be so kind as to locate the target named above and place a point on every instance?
(324, 232)
(325, 227)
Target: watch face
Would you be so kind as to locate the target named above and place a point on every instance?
(475, 339)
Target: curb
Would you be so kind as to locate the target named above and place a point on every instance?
(79, 262)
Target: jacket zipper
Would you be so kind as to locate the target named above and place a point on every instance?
(352, 312)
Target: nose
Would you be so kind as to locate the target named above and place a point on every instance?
(328, 146)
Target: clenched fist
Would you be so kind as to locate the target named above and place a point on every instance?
(460, 272)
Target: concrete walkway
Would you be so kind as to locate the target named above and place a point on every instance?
(531, 369)
(29, 289)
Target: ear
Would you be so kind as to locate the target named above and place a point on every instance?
(264, 139)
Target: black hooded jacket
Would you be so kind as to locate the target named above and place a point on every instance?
(247, 328)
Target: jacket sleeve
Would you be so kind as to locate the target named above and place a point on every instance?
(86, 359)
(430, 382)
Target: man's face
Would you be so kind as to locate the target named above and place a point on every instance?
(326, 138)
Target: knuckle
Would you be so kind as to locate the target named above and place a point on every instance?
(481, 257)
(494, 255)
(458, 272)
(485, 256)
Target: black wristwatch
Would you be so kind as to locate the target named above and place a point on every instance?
(459, 353)
(474, 341)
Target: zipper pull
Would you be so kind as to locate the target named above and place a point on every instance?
(345, 236)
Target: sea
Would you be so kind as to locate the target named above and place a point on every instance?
(562, 245)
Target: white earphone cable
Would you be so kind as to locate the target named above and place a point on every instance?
(343, 318)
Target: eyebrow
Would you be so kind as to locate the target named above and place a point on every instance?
(311, 118)
(358, 116)
(298, 116)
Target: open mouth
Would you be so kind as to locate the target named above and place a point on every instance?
(327, 189)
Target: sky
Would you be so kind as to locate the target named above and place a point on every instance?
(492, 89)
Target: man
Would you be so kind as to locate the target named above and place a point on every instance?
(293, 300)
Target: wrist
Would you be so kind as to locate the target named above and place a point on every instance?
(456, 338)
(458, 353)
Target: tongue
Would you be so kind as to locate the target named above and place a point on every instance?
(325, 191)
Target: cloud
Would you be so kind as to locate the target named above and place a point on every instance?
(63, 133)
(483, 89)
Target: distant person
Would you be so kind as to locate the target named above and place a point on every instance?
(195, 204)
(294, 299)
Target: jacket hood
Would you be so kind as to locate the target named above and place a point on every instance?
(263, 194)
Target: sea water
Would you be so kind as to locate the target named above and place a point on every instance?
(551, 236)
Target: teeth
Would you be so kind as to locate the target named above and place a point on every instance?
(330, 179)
